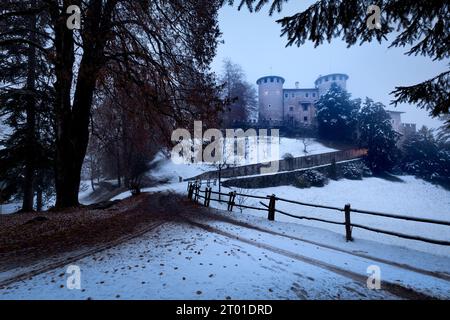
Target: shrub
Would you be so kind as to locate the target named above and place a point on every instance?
(366, 172)
(332, 170)
(355, 171)
(311, 178)
(352, 171)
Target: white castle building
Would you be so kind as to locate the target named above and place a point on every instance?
(292, 106)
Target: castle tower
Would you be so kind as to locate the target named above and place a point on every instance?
(323, 83)
(270, 91)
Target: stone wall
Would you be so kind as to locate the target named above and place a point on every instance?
(282, 178)
(286, 164)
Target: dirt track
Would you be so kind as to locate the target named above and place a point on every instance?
(28, 238)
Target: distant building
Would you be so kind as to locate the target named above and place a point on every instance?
(292, 106)
(405, 129)
(296, 107)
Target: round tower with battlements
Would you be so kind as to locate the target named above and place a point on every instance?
(323, 83)
(270, 91)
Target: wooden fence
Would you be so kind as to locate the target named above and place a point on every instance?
(204, 197)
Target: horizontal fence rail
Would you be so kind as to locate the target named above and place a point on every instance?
(195, 193)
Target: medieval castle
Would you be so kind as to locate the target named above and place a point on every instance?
(295, 107)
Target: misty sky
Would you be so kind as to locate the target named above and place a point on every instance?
(253, 41)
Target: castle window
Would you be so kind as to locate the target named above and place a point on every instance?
(314, 95)
(305, 106)
(286, 95)
(307, 95)
(270, 105)
(305, 119)
(265, 80)
(291, 108)
(293, 95)
(326, 78)
(334, 77)
(271, 79)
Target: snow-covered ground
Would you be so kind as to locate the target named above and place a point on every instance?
(297, 259)
(276, 149)
(411, 197)
(184, 261)
(8, 208)
(168, 169)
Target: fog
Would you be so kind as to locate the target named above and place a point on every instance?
(253, 41)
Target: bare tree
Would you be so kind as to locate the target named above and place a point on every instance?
(243, 197)
(240, 94)
(306, 143)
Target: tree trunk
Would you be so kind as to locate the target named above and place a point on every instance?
(92, 175)
(73, 141)
(72, 121)
(29, 171)
(65, 169)
(39, 201)
(119, 171)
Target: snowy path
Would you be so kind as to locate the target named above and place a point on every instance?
(206, 256)
(197, 265)
(398, 278)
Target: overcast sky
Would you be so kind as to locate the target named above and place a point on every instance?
(253, 41)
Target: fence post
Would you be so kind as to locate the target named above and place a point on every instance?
(207, 197)
(232, 202)
(271, 215)
(348, 223)
(231, 195)
(197, 191)
(190, 190)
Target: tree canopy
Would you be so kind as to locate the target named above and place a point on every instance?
(377, 135)
(336, 114)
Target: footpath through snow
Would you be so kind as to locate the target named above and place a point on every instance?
(209, 254)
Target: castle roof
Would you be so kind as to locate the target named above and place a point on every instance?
(268, 77)
(330, 75)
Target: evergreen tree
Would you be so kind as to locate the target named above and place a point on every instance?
(444, 132)
(420, 152)
(426, 156)
(377, 135)
(25, 103)
(336, 114)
